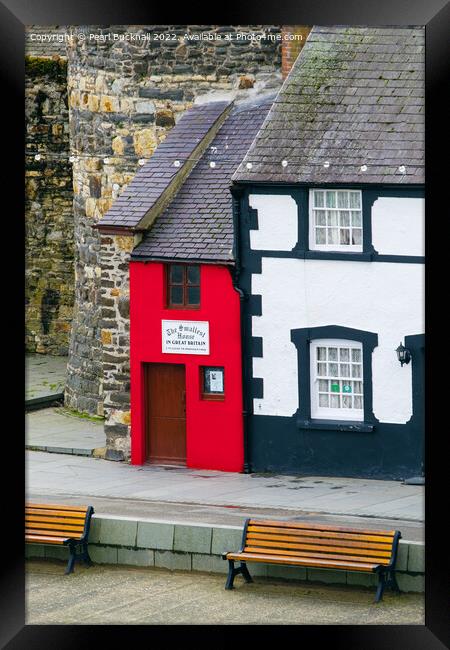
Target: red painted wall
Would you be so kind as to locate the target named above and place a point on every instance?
(214, 430)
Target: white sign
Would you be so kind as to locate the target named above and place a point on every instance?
(185, 337)
(216, 381)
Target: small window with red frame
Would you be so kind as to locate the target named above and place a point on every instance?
(183, 286)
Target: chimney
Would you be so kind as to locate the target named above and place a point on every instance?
(293, 39)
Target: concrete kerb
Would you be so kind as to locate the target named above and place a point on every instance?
(198, 547)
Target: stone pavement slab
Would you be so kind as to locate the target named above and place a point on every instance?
(44, 375)
(127, 595)
(55, 430)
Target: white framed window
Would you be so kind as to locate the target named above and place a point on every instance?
(335, 220)
(336, 379)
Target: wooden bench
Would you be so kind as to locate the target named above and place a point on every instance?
(65, 525)
(318, 546)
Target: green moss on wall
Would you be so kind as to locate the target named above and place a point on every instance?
(54, 68)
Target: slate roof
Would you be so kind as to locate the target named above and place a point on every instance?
(198, 223)
(355, 96)
(154, 177)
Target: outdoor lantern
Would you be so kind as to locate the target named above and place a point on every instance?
(403, 354)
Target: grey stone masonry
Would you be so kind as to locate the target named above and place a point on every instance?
(125, 95)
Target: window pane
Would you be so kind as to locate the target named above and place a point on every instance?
(324, 401)
(344, 354)
(356, 370)
(333, 369)
(356, 219)
(332, 354)
(176, 295)
(193, 274)
(323, 385)
(357, 387)
(318, 199)
(356, 354)
(321, 353)
(193, 297)
(356, 236)
(176, 274)
(345, 236)
(320, 235)
(346, 402)
(345, 369)
(335, 401)
(332, 218)
(331, 199)
(342, 198)
(357, 402)
(322, 369)
(333, 236)
(355, 200)
(320, 216)
(345, 217)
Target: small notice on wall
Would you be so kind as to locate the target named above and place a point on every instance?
(185, 337)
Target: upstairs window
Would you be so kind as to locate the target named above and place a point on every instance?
(335, 220)
(183, 286)
(336, 380)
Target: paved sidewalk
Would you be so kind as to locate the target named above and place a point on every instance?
(55, 430)
(117, 595)
(140, 489)
(44, 375)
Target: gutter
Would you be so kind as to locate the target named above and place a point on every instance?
(236, 193)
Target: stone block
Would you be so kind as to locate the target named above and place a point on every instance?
(402, 556)
(208, 563)
(326, 575)
(285, 572)
(57, 553)
(416, 557)
(155, 536)
(173, 561)
(225, 539)
(34, 550)
(103, 554)
(134, 557)
(361, 579)
(94, 530)
(407, 582)
(118, 532)
(192, 539)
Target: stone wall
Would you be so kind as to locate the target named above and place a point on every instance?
(49, 231)
(124, 96)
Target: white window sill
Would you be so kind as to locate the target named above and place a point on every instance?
(336, 425)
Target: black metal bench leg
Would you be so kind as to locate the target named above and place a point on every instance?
(245, 572)
(71, 562)
(231, 573)
(380, 588)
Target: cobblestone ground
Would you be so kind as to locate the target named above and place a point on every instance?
(122, 595)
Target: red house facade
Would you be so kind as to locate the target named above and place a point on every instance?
(185, 325)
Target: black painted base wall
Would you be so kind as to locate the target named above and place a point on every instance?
(391, 451)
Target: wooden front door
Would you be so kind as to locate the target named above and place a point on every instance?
(165, 396)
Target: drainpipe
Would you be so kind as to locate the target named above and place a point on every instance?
(237, 193)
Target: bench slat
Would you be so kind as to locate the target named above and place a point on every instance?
(271, 559)
(317, 548)
(41, 512)
(45, 526)
(316, 533)
(312, 554)
(53, 533)
(55, 506)
(55, 520)
(318, 540)
(343, 529)
(47, 539)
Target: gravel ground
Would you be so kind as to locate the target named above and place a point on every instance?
(122, 595)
